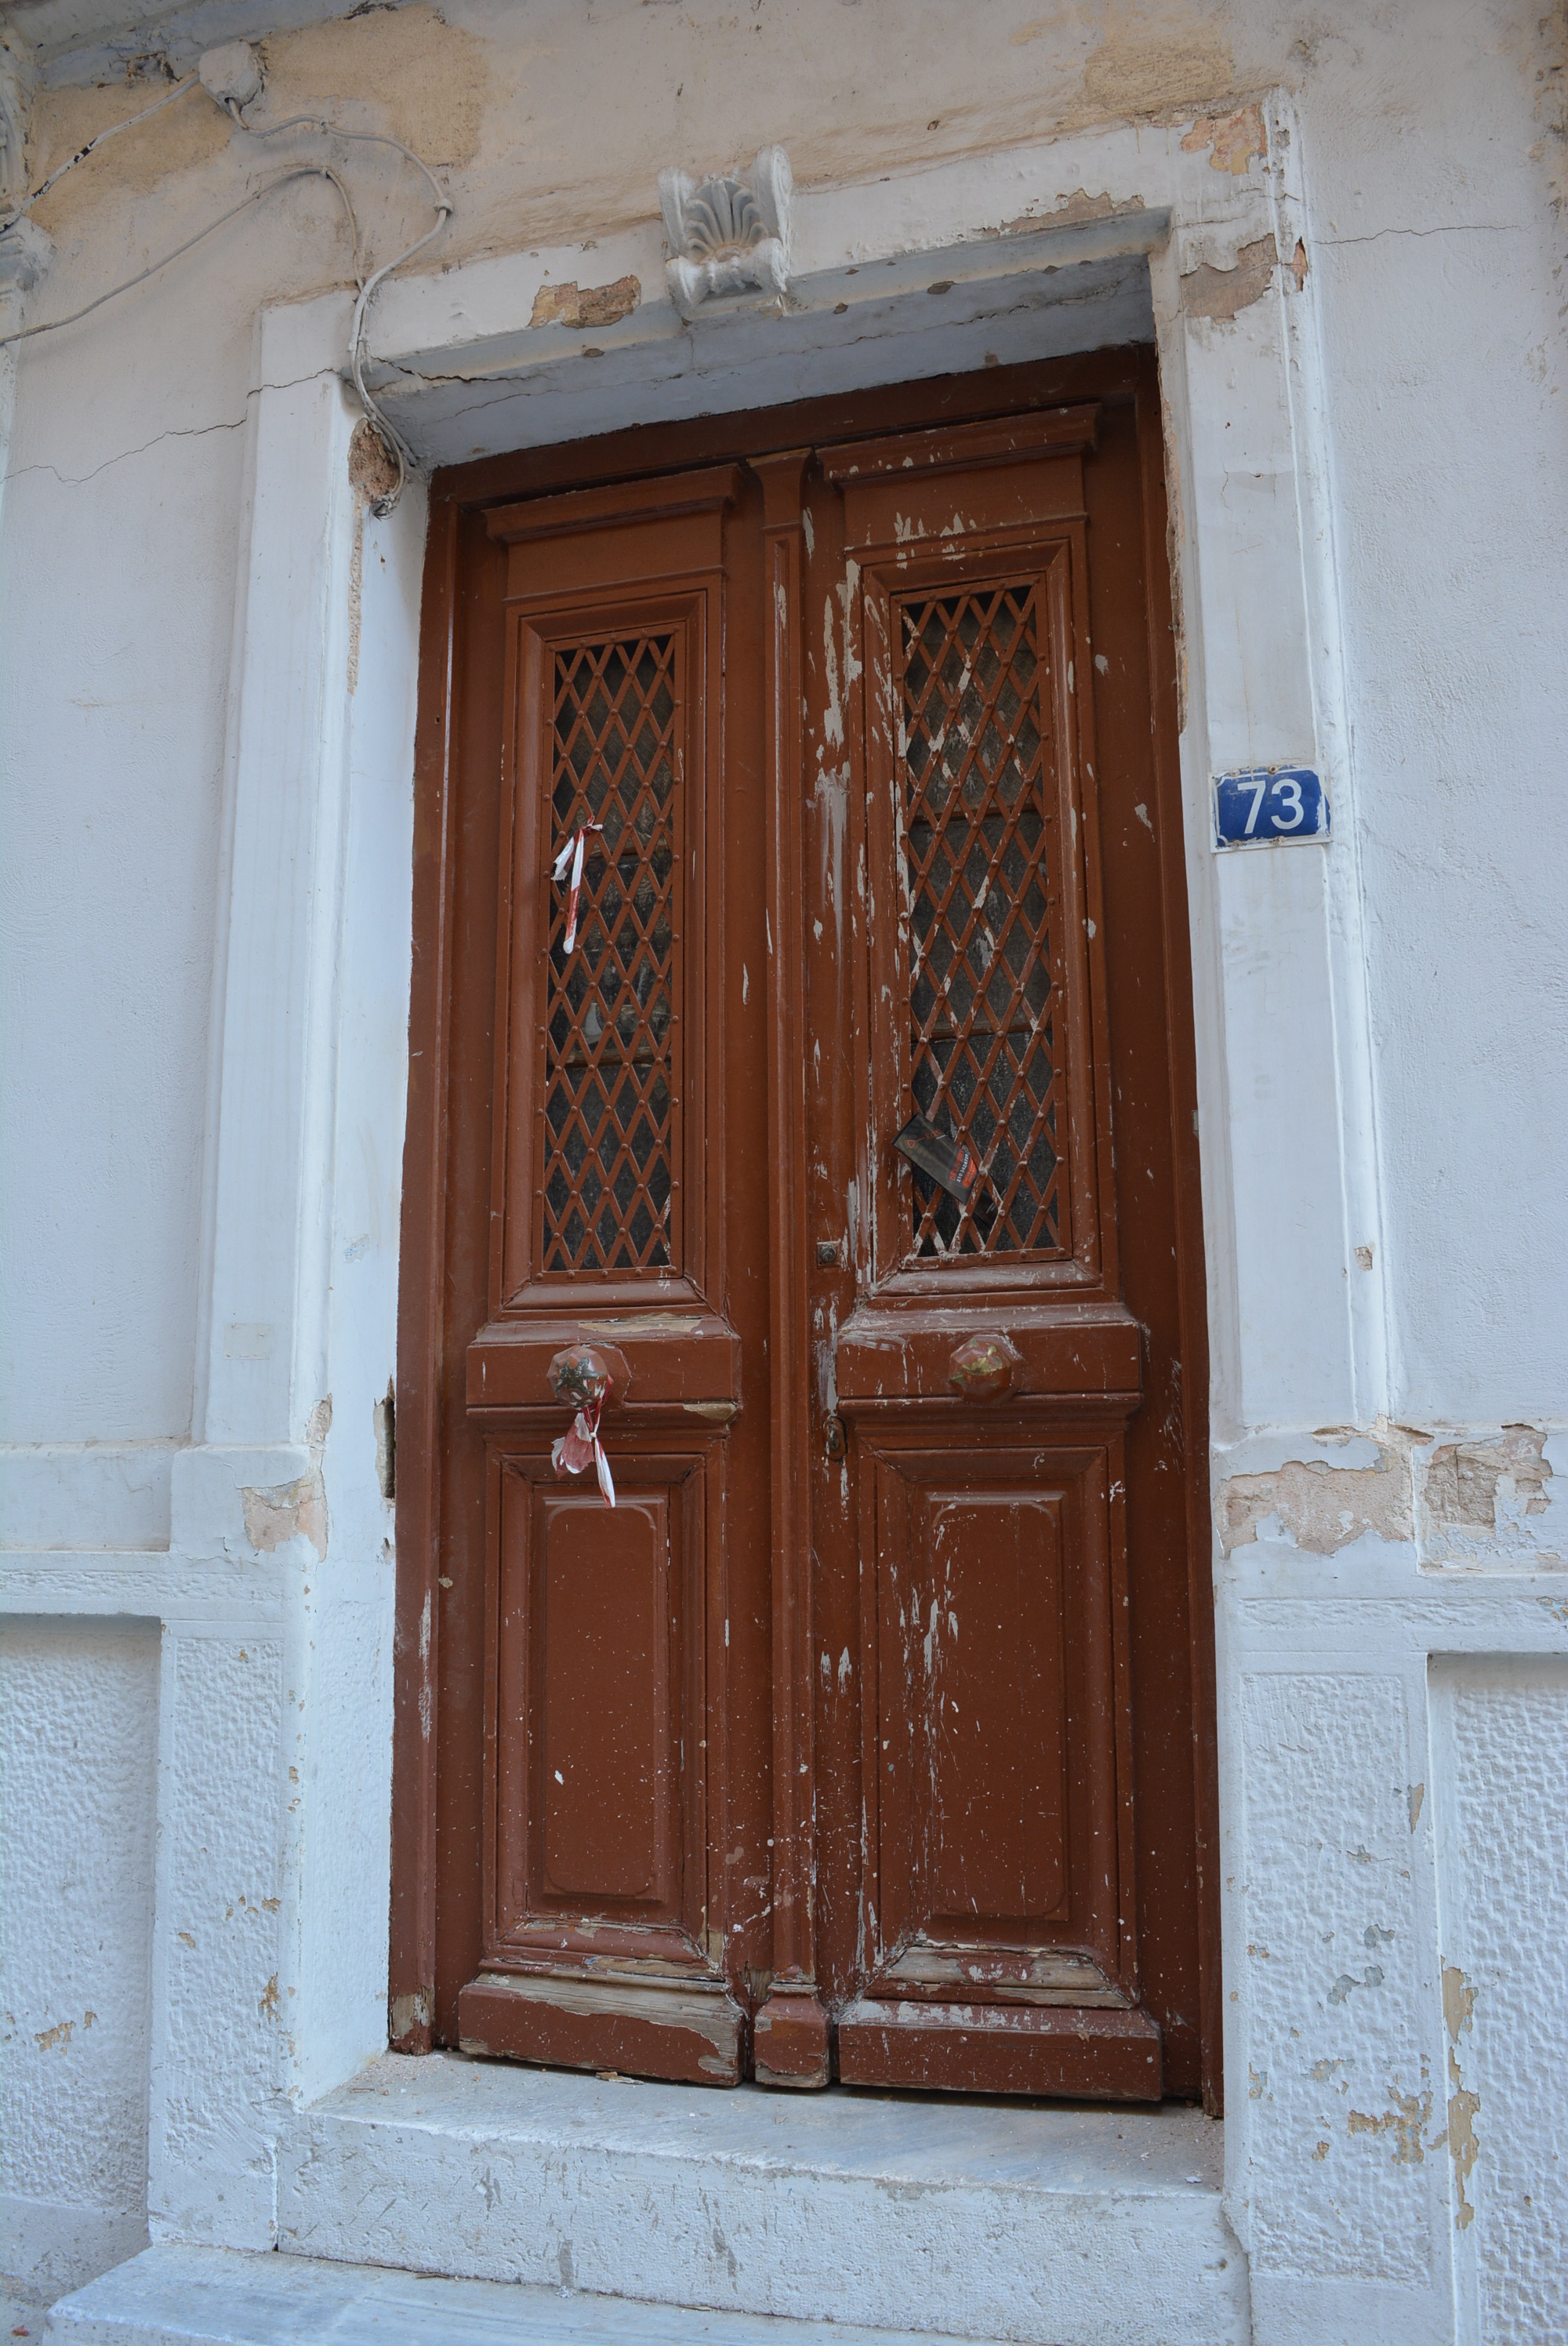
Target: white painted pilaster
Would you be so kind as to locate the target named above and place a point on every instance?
(270, 1974)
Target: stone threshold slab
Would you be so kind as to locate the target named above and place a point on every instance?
(231, 2297)
(904, 2213)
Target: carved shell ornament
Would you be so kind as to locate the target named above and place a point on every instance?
(722, 218)
(728, 233)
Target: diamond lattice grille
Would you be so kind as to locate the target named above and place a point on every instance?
(611, 1081)
(983, 1058)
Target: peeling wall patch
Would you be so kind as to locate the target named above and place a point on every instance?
(296, 1510)
(1321, 1508)
(1463, 1480)
(1235, 141)
(586, 305)
(1222, 294)
(1404, 2118)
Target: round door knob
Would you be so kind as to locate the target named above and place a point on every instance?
(582, 1375)
(983, 1367)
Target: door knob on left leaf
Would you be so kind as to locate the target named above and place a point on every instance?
(585, 1373)
(983, 1367)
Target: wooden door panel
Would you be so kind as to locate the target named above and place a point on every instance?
(604, 1176)
(984, 939)
(831, 1750)
(595, 1152)
(993, 1786)
(999, 1681)
(604, 1938)
(618, 1180)
(608, 1736)
(599, 1713)
(992, 2049)
(974, 1842)
(997, 1763)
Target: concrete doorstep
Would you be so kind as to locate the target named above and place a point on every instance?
(559, 2207)
(228, 2297)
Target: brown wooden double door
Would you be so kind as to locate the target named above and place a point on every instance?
(866, 1735)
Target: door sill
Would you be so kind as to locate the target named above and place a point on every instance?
(1078, 2227)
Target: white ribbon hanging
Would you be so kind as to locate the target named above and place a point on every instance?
(572, 854)
(570, 1452)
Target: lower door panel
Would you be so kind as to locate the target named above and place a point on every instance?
(600, 1950)
(994, 1653)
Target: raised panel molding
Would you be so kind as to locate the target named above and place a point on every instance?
(596, 1847)
(999, 1802)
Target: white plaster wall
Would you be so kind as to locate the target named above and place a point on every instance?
(78, 1771)
(1440, 269)
(1500, 1758)
(1432, 146)
(114, 616)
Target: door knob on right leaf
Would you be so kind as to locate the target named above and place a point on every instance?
(983, 1367)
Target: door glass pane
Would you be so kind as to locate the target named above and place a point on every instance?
(986, 1060)
(610, 1083)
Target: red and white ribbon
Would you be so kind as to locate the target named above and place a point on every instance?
(570, 1452)
(572, 854)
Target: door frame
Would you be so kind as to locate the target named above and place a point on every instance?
(309, 1023)
(791, 2026)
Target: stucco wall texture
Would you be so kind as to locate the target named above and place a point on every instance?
(78, 1774)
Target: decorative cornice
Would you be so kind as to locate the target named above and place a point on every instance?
(728, 234)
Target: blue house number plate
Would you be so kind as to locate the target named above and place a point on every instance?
(1268, 805)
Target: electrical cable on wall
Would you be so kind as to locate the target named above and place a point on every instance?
(366, 286)
(103, 137)
(402, 456)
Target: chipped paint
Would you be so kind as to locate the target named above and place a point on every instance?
(1405, 2117)
(586, 305)
(1482, 1485)
(1072, 211)
(1459, 2011)
(1319, 1507)
(1155, 70)
(296, 1510)
(832, 707)
(372, 474)
(1221, 294)
(1235, 141)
